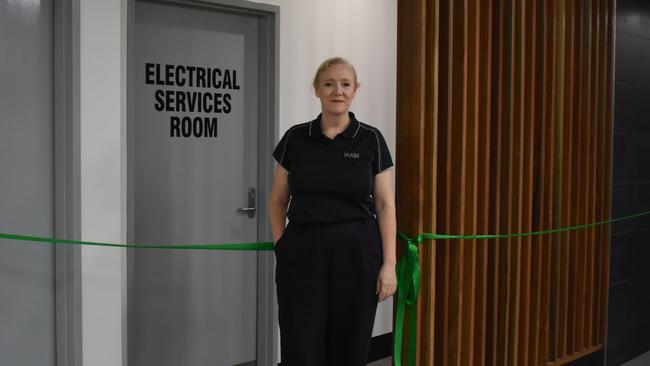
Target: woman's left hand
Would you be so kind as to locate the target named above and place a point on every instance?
(386, 282)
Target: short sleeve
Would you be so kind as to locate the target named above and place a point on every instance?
(282, 151)
(383, 160)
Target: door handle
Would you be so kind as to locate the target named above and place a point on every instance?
(250, 210)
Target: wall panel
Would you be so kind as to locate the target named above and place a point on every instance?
(504, 127)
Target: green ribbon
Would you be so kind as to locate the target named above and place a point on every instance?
(408, 278)
(267, 245)
(407, 269)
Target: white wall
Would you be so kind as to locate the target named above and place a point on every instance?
(363, 31)
(103, 188)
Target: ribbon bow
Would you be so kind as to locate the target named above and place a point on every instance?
(408, 287)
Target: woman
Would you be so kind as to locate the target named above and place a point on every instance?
(335, 259)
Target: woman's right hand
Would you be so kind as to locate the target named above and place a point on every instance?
(278, 203)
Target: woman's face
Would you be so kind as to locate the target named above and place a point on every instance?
(336, 89)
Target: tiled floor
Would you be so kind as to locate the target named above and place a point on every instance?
(384, 362)
(643, 360)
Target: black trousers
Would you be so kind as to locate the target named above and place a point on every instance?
(326, 278)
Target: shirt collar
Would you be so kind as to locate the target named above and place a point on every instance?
(316, 130)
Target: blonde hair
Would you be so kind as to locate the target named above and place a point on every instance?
(334, 61)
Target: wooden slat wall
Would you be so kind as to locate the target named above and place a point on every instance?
(504, 125)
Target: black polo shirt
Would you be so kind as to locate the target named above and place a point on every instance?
(332, 180)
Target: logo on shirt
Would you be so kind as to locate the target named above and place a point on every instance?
(351, 155)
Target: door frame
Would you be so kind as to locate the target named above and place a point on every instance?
(268, 132)
(67, 182)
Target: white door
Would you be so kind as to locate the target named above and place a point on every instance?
(194, 164)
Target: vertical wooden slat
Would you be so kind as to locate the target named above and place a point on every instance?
(469, 295)
(495, 310)
(584, 183)
(558, 337)
(593, 162)
(496, 223)
(410, 120)
(514, 143)
(578, 157)
(529, 122)
(538, 306)
(463, 183)
(442, 265)
(451, 281)
(591, 185)
(581, 144)
(510, 196)
(484, 108)
(568, 177)
(576, 179)
(518, 143)
(429, 250)
(599, 109)
(601, 287)
(456, 172)
(446, 61)
(549, 145)
(587, 183)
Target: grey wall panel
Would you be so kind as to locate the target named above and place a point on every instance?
(27, 327)
(628, 333)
